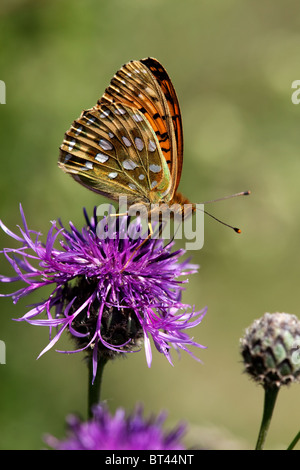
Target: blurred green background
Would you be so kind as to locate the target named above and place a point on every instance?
(232, 64)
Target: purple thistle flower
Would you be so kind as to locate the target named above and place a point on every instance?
(108, 293)
(106, 432)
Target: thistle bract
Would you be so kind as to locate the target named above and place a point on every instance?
(270, 349)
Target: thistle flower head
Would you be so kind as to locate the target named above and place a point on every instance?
(119, 432)
(270, 349)
(109, 293)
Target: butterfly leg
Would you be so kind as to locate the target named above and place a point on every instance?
(118, 215)
(106, 227)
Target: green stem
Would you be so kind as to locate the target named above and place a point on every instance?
(269, 404)
(94, 389)
(294, 442)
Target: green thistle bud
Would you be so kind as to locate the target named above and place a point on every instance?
(271, 350)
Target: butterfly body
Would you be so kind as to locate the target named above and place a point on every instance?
(131, 142)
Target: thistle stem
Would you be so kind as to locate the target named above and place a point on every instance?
(294, 442)
(94, 388)
(269, 404)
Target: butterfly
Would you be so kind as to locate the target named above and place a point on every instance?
(131, 142)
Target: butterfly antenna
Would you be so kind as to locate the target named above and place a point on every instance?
(243, 193)
(236, 229)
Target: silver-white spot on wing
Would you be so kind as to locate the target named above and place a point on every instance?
(139, 143)
(101, 157)
(104, 114)
(67, 157)
(151, 146)
(105, 144)
(126, 141)
(129, 164)
(137, 117)
(112, 175)
(154, 168)
(120, 111)
(89, 165)
(71, 145)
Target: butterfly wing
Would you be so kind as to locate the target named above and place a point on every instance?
(128, 143)
(112, 150)
(169, 93)
(146, 86)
